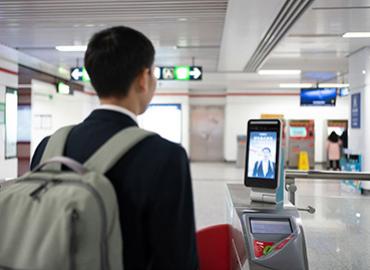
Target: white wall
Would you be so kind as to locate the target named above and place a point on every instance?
(239, 109)
(8, 167)
(62, 109)
(184, 101)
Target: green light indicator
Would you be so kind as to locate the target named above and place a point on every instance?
(85, 76)
(63, 89)
(182, 73)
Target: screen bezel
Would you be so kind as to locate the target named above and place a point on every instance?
(263, 126)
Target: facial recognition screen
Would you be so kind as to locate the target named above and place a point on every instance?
(262, 154)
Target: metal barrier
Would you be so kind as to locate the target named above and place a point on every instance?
(291, 175)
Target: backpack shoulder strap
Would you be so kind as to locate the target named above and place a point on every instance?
(109, 154)
(55, 146)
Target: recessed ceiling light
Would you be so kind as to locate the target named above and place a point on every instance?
(296, 85)
(334, 85)
(279, 72)
(182, 19)
(71, 48)
(90, 25)
(357, 35)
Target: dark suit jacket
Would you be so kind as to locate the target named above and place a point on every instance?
(258, 170)
(153, 186)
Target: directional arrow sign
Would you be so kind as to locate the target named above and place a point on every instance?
(178, 73)
(79, 74)
(196, 73)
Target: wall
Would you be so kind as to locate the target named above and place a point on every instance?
(179, 98)
(8, 77)
(51, 111)
(240, 108)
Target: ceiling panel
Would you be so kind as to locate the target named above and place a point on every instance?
(315, 42)
(37, 26)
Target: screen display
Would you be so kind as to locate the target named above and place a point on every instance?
(271, 226)
(11, 123)
(262, 154)
(164, 119)
(296, 132)
(318, 97)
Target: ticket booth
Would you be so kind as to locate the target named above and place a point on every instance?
(301, 138)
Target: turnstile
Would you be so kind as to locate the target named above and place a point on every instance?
(265, 236)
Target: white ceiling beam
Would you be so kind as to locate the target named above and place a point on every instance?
(245, 24)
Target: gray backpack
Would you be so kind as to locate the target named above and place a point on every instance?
(52, 219)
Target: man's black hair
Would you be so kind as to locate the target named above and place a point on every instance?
(266, 148)
(115, 57)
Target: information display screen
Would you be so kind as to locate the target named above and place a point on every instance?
(318, 97)
(270, 226)
(262, 154)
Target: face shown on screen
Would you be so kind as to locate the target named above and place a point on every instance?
(266, 153)
(262, 154)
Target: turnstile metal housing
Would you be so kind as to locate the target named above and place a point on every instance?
(291, 255)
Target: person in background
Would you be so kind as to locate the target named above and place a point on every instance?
(344, 141)
(333, 151)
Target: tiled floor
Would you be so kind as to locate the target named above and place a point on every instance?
(337, 235)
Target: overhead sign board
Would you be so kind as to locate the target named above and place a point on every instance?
(163, 73)
(79, 74)
(179, 73)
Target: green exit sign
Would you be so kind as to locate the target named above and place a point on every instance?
(179, 73)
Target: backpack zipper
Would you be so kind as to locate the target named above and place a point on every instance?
(73, 241)
(103, 213)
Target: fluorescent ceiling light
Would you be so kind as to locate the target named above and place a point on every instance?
(279, 72)
(334, 85)
(296, 85)
(72, 48)
(356, 35)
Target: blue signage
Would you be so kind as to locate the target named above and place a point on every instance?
(356, 110)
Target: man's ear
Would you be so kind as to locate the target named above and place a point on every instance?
(142, 81)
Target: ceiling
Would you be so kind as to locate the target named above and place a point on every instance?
(35, 27)
(315, 43)
(220, 35)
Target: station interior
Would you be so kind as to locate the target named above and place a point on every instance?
(219, 64)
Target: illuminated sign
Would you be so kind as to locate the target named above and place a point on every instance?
(79, 74)
(179, 73)
(163, 73)
(64, 89)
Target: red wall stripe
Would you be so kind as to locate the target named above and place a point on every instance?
(8, 71)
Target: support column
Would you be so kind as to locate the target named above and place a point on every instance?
(359, 127)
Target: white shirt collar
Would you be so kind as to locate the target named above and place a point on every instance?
(117, 109)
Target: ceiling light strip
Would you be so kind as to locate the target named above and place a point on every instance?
(279, 72)
(356, 35)
(296, 85)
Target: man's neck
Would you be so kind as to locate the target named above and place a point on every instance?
(123, 103)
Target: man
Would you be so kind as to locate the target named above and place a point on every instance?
(264, 168)
(152, 181)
